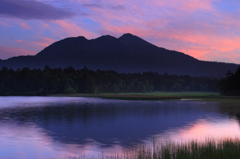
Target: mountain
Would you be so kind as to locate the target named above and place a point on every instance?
(127, 53)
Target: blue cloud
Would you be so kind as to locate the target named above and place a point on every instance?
(25, 9)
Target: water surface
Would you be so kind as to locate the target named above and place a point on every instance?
(68, 127)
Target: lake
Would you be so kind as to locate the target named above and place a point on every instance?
(75, 127)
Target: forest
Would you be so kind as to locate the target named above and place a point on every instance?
(27, 81)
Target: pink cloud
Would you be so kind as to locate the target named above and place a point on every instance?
(44, 42)
(5, 24)
(231, 56)
(69, 28)
(192, 5)
(19, 41)
(25, 25)
(195, 51)
(45, 25)
(7, 52)
(37, 44)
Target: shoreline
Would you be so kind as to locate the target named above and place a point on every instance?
(208, 96)
(156, 96)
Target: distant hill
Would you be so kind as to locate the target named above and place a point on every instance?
(128, 53)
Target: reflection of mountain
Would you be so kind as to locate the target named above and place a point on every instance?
(128, 53)
(126, 122)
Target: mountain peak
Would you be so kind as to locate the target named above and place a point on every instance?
(109, 37)
(132, 39)
(127, 36)
(105, 39)
(81, 37)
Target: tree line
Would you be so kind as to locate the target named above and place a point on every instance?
(231, 84)
(27, 81)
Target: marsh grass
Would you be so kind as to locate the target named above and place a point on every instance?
(210, 149)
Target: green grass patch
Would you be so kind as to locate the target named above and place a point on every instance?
(148, 96)
(208, 96)
(169, 94)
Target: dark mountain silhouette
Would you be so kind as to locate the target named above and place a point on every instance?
(128, 53)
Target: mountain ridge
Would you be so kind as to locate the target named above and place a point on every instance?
(128, 53)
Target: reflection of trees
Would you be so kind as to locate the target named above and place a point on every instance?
(127, 122)
(238, 117)
(230, 108)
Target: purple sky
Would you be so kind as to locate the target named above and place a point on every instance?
(205, 29)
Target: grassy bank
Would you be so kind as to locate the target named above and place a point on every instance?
(211, 149)
(150, 95)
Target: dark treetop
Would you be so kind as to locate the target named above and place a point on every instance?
(231, 84)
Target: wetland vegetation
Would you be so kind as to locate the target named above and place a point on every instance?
(209, 149)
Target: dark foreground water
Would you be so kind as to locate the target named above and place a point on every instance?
(71, 127)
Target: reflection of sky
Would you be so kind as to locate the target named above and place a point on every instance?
(106, 126)
(204, 129)
(223, 128)
(12, 102)
(30, 142)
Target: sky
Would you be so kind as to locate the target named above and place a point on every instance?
(205, 29)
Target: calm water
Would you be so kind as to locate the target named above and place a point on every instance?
(69, 127)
